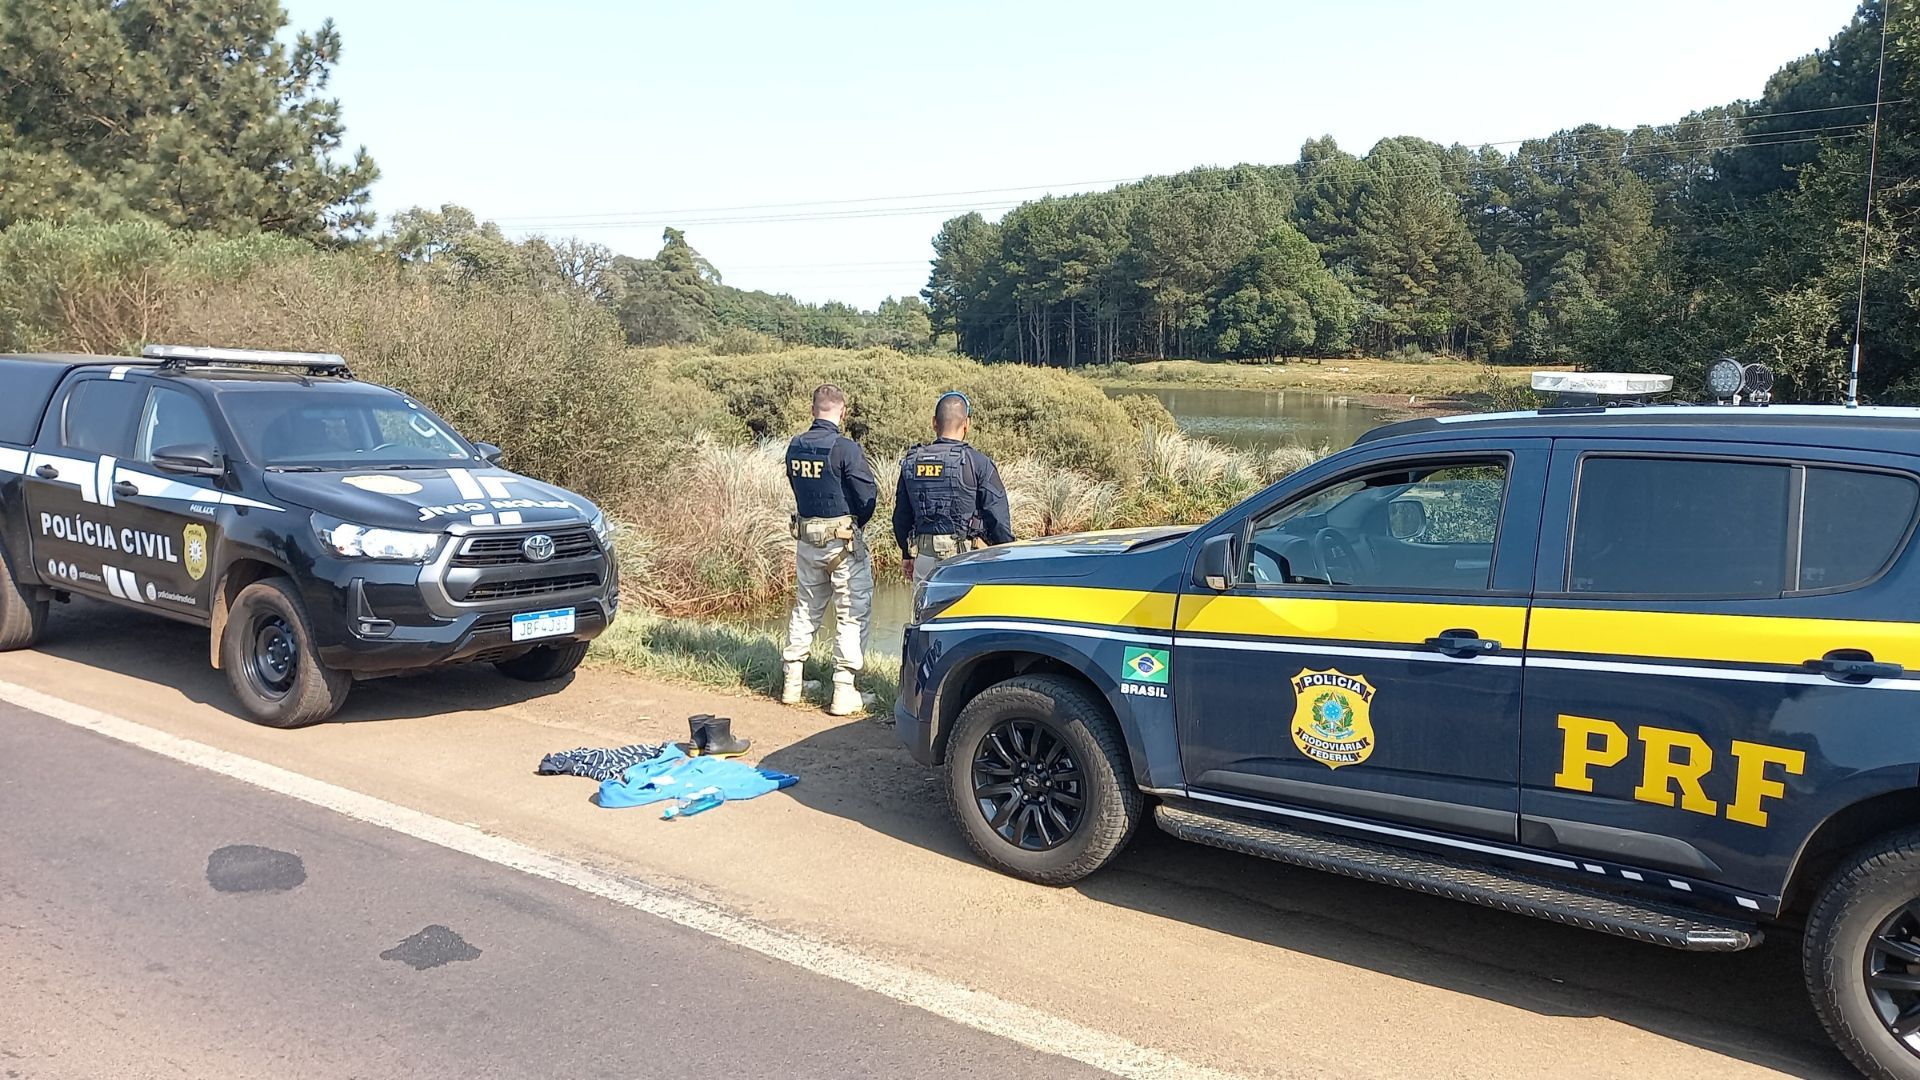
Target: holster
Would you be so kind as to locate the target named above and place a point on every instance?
(819, 532)
(936, 546)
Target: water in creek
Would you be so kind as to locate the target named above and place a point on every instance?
(1264, 419)
(1247, 420)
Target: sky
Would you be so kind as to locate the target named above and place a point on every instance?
(815, 148)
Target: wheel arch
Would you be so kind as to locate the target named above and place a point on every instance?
(1844, 831)
(968, 676)
(238, 574)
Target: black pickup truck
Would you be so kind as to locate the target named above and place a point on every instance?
(323, 529)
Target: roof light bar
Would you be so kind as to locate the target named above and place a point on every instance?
(183, 355)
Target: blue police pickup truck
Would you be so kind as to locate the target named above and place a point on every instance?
(322, 529)
(1649, 671)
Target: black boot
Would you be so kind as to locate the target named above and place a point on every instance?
(696, 728)
(716, 737)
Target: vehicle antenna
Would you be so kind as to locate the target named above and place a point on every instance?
(1873, 160)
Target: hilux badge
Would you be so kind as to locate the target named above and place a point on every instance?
(537, 548)
(1332, 717)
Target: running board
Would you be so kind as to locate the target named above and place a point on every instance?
(1488, 887)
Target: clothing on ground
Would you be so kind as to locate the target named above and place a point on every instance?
(674, 775)
(597, 763)
(840, 572)
(830, 476)
(949, 488)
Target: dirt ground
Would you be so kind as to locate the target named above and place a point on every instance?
(1223, 960)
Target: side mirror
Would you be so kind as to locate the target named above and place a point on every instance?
(1213, 566)
(489, 453)
(1406, 518)
(192, 459)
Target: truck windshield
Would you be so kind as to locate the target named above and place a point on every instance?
(318, 428)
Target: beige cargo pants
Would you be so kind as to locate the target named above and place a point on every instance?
(828, 568)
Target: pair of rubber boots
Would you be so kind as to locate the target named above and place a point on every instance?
(846, 697)
(713, 736)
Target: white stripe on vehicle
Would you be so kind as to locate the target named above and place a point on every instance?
(463, 480)
(160, 487)
(510, 517)
(75, 471)
(113, 581)
(12, 461)
(132, 586)
(1729, 674)
(1057, 628)
(119, 372)
(483, 519)
(103, 480)
(497, 486)
(1342, 648)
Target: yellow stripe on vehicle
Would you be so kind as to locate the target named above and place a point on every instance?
(1067, 603)
(1377, 621)
(1739, 639)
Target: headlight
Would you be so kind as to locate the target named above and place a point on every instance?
(931, 597)
(603, 529)
(348, 540)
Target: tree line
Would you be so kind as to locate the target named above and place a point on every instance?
(1735, 230)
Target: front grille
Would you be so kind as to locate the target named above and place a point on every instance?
(510, 590)
(503, 549)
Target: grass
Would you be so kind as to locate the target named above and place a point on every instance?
(1436, 376)
(729, 657)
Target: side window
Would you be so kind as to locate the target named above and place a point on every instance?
(173, 418)
(1855, 523)
(1681, 527)
(99, 416)
(1426, 527)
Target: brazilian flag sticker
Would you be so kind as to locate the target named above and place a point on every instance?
(1145, 665)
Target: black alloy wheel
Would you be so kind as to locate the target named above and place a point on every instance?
(1892, 974)
(273, 663)
(1028, 785)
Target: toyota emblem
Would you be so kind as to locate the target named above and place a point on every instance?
(537, 548)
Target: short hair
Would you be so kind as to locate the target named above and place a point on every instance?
(950, 413)
(828, 397)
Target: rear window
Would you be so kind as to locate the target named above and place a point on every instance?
(100, 416)
(1855, 524)
(1695, 527)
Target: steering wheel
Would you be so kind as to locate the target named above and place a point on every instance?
(1342, 566)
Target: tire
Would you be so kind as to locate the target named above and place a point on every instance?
(1875, 892)
(1018, 830)
(22, 617)
(272, 666)
(544, 663)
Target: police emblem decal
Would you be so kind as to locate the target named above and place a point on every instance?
(195, 537)
(1332, 717)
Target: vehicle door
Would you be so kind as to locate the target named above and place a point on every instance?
(172, 518)
(1720, 646)
(1365, 655)
(69, 484)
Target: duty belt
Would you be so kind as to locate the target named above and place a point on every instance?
(819, 532)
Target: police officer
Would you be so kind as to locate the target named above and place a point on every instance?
(833, 493)
(950, 497)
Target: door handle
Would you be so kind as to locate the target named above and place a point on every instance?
(1855, 666)
(1462, 643)
(126, 489)
(47, 472)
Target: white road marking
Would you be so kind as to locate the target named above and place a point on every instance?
(1021, 1024)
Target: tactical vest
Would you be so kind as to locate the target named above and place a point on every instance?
(944, 502)
(816, 489)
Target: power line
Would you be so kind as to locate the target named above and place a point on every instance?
(1866, 224)
(531, 221)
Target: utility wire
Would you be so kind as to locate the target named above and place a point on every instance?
(1866, 224)
(530, 221)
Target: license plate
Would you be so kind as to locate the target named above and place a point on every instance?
(539, 624)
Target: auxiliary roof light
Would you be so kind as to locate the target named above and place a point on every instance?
(1726, 378)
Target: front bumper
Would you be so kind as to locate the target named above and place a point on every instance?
(913, 710)
(375, 618)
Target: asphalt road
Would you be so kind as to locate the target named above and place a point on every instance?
(158, 920)
(1205, 957)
